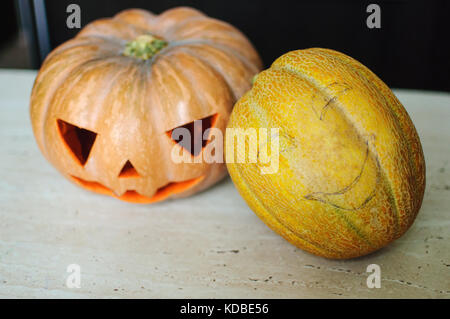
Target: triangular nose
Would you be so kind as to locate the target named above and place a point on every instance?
(128, 170)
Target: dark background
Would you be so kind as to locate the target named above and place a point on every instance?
(410, 50)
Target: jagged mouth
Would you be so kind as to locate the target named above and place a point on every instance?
(133, 196)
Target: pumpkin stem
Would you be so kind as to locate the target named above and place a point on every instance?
(144, 47)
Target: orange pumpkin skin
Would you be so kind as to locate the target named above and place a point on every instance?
(351, 175)
(103, 118)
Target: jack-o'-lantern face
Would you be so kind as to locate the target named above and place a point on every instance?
(105, 103)
(79, 143)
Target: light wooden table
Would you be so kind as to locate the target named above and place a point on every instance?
(209, 245)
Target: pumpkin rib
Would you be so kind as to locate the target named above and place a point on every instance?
(227, 76)
(197, 30)
(65, 47)
(183, 24)
(128, 77)
(253, 62)
(245, 60)
(129, 16)
(42, 109)
(233, 33)
(214, 69)
(211, 70)
(171, 34)
(113, 83)
(341, 109)
(172, 17)
(109, 40)
(67, 91)
(187, 74)
(42, 77)
(165, 68)
(157, 120)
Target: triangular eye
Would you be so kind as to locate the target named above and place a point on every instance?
(78, 140)
(196, 130)
(128, 170)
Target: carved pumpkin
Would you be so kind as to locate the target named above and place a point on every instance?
(104, 103)
(351, 174)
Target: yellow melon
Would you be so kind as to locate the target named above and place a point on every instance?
(351, 171)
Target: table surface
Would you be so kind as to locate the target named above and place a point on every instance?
(210, 245)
